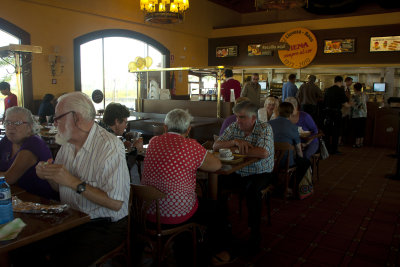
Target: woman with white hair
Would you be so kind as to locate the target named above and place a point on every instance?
(306, 122)
(21, 150)
(270, 109)
(170, 165)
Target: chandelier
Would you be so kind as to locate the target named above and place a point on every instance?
(279, 4)
(164, 11)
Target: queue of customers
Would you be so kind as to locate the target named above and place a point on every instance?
(90, 174)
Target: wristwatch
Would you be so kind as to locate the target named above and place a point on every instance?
(81, 188)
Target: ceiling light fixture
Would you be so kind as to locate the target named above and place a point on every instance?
(279, 4)
(164, 11)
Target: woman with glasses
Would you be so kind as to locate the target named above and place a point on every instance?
(20, 151)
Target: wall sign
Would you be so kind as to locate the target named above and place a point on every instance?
(227, 51)
(257, 50)
(339, 46)
(303, 48)
(389, 43)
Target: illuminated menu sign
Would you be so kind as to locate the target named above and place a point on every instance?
(389, 43)
(303, 48)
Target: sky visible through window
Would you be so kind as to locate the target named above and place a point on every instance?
(117, 84)
(7, 71)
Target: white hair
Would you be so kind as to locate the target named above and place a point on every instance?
(80, 103)
(178, 120)
(28, 117)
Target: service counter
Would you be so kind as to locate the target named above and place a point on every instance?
(196, 108)
(382, 126)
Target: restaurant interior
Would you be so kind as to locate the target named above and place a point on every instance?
(154, 63)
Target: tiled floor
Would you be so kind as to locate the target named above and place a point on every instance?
(352, 219)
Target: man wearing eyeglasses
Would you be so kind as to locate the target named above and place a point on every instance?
(252, 90)
(90, 175)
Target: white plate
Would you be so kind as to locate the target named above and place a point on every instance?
(229, 158)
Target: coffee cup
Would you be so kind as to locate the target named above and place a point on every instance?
(225, 153)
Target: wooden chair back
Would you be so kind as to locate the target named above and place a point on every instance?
(282, 149)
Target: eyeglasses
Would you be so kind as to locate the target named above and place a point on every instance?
(56, 119)
(15, 123)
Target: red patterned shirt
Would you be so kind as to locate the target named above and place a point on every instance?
(170, 165)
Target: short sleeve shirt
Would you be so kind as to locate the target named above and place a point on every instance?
(261, 136)
(285, 131)
(10, 101)
(29, 180)
(170, 165)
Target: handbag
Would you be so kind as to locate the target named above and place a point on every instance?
(323, 150)
(306, 185)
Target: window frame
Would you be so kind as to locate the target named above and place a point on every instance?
(114, 33)
(26, 62)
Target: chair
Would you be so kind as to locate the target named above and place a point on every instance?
(286, 172)
(124, 248)
(266, 194)
(158, 238)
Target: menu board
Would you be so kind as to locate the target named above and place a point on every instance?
(389, 43)
(227, 51)
(258, 50)
(339, 46)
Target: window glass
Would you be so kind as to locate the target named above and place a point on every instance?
(104, 66)
(7, 70)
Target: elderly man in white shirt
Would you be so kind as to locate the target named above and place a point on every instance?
(91, 175)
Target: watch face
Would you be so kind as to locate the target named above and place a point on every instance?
(81, 188)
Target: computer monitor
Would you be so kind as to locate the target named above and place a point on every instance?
(379, 87)
(263, 85)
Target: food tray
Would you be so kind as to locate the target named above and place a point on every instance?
(30, 207)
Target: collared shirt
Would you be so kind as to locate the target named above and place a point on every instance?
(171, 165)
(261, 136)
(100, 163)
(289, 89)
(253, 92)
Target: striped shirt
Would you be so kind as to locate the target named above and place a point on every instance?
(261, 136)
(100, 163)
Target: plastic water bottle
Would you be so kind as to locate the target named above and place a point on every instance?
(232, 97)
(6, 210)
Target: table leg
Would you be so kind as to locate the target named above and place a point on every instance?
(213, 186)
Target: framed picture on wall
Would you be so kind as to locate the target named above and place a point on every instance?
(384, 44)
(339, 46)
(257, 50)
(227, 51)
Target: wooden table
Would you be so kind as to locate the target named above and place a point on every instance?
(225, 170)
(40, 226)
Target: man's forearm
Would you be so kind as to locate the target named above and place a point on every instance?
(258, 152)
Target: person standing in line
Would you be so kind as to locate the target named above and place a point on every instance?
(334, 99)
(346, 111)
(11, 99)
(229, 84)
(289, 88)
(252, 90)
(308, 95)
(359, 114)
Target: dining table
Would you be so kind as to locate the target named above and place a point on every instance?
(226, 169)
(39, 225)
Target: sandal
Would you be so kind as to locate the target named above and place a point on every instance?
(222, 258)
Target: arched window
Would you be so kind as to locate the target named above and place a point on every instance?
(11, 34)
(101, 62)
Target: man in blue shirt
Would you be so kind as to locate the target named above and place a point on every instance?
(289, 88)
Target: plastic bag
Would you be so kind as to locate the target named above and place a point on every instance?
(323, 150)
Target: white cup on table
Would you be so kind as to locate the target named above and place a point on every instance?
(225, 153)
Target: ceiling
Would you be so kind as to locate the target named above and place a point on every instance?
(330, 7)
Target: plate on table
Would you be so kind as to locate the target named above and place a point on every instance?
(232, 160)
